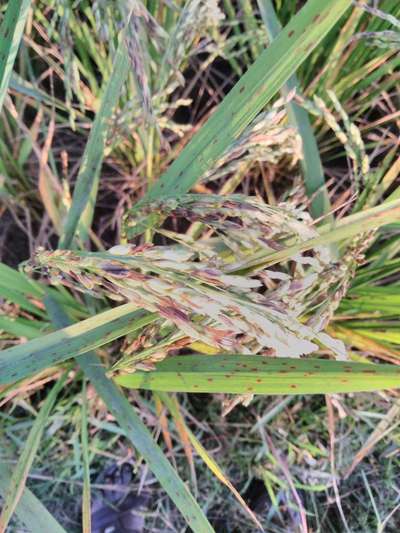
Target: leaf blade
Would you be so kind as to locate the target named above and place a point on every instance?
(313, 173)
(11, 30)
(81, 211)
(25, 359)
(239, 374)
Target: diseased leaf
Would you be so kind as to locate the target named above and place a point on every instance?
(239, 374)
(25, 359)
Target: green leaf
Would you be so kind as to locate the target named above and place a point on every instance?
(239, 374)
(253, 91)
(20, 474)
(26, 359)
(11, 30)
(21, 327)
(311, 163)
(86, 513)
(81, 211)
(137, 432)
(16, 281)
(29, 509)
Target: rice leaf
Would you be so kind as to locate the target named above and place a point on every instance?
(81, 211)
(29, 509)
(25, 359)
(240, 374)
(11, 30)
(20, 474)
(16, 281)
(313, 173)
(21, 327)
(253, 91)
(86, 513)
(137, 432)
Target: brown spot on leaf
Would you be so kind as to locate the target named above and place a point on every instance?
(316, 18)
(291, 33)
(242, 89)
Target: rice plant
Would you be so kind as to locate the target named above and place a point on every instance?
(198, 273)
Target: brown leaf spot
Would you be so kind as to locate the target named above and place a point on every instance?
(258, 380)
(316, 17)
(293, 386)
(291, 33)
(242, 89)
(210, 380)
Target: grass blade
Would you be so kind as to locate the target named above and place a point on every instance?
(181, 429)
(29, 509)
(239, 374)
(253, 91)
(11, 31)
(81, 211)
(311, 163)
(86, 514)
(137, 432)
(25, 359)
(20, 474)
